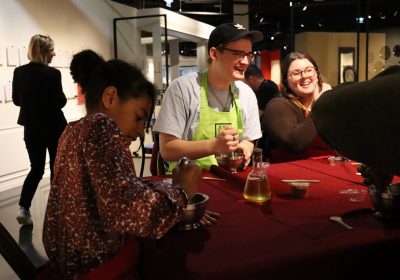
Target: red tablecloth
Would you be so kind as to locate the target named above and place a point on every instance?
(286, 238)
(342, 169)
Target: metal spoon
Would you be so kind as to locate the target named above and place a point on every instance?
(339, 220)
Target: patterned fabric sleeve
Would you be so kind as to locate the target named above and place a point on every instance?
(126, 203)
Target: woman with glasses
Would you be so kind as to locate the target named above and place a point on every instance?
(212, 111)
(287, 120)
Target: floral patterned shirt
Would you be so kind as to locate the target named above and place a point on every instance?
(96, 198)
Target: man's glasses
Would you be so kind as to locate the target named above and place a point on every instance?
(239, 55)
(306, 73)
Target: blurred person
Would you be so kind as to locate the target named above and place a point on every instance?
(37, 90)
(360, 120)
(212, 111)
(264, 89)
(97, 205)
(291, 134)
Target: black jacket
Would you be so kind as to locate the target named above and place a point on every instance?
(37, 89)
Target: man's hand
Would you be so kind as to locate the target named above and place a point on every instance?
(226, 141)
(209, 218)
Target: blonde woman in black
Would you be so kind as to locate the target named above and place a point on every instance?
(37, 90)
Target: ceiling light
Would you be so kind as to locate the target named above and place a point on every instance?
(261, 19)
(272, 38)
(168, 3)
(369, 16)
(302, 25)
(319, 24)
(395, 13)
(202, 13)
(305, 8)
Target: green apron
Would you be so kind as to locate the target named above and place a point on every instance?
(211, 121)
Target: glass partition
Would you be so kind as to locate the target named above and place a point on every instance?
(143, 41)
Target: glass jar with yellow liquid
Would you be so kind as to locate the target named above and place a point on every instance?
(257, 185)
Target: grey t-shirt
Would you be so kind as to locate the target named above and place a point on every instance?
(180, 108)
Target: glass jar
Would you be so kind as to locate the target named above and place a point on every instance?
(257, 187)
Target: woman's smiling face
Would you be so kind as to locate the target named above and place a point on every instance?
(302, 77)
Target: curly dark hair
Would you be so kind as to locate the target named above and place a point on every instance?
(94, 74)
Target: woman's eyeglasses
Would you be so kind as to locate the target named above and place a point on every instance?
(306, 73)
(239, 55)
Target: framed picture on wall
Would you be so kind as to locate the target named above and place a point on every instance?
(346, 71)
(349, 74)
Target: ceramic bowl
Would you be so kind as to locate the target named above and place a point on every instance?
(299, 189)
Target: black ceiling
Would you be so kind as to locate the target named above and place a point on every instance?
(275, 18)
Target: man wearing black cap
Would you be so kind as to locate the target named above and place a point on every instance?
(211, 111)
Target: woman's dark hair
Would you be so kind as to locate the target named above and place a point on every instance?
(93, 74)
(82, 66)
(285, 64)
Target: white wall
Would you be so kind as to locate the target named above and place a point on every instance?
(74, 25)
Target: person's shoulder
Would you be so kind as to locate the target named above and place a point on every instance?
(23, 70)
(242, 87)
(325, 87)
(23, 67)
(97, 123)
(52, 70)
(184, 84)
(270, 83)
(279, 102)
(97, 119)
(187, 78)
(18, 69)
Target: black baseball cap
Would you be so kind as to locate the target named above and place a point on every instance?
(229, 32)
